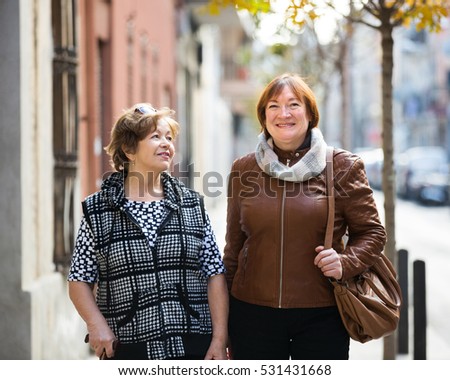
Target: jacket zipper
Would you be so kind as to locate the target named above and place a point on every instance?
(155, 258)
(283, 199)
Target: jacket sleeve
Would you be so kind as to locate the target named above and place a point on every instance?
(235, 237)
(357, 211)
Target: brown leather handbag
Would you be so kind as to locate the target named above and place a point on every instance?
(369, 303)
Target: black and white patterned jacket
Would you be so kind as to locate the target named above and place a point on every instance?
(150, 294)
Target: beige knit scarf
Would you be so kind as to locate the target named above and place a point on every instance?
(310, 165)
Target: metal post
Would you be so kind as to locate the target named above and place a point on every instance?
(420, 315)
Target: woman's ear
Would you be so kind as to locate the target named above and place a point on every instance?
(128, 153)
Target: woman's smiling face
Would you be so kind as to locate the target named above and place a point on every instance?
(287, 120)
(155, 152)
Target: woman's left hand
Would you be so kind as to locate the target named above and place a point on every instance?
(329, 262)
(217, 350)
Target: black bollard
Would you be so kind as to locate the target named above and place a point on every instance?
(403, 325)
(420, 311)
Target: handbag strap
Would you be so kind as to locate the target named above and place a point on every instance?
(330, 197)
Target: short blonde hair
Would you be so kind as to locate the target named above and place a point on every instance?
(133, 126)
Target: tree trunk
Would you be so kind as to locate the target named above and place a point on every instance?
(345, 66)
(389, 188)
(346, 140)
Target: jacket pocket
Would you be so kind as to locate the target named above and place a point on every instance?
(131, 312)
(155, 313)
(185, 302)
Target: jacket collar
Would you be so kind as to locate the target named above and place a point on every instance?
(114, 191)
(296, 155)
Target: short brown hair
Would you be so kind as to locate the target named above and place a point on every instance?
(301, 90)
(133, 126)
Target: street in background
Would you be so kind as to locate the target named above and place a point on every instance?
(422, 173)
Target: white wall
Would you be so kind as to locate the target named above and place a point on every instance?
(213, 123)
(38, 320)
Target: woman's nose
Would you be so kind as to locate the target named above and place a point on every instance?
(285, 111)
(165, 141)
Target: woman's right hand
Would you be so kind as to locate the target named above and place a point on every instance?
(100, 336)
(102, 340)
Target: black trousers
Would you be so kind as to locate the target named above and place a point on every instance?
(265, 333)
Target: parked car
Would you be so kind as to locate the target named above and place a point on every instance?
(373, 163)
(423, 175)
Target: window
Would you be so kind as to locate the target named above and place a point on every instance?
(65, 127)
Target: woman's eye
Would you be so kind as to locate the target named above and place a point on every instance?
(272, 106)
(169, 138)
(295, 105)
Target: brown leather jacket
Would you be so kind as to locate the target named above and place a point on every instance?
(273, 227)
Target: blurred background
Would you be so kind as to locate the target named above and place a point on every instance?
(69, 67)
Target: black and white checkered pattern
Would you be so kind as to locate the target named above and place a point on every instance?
(156, 267)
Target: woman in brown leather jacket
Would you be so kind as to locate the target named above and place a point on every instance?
(282, 302)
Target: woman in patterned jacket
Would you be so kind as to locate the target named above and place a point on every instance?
(146, 241)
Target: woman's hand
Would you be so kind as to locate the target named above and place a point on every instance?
(102, 340)
(100, 337)
(329, 262)
(217, 350)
